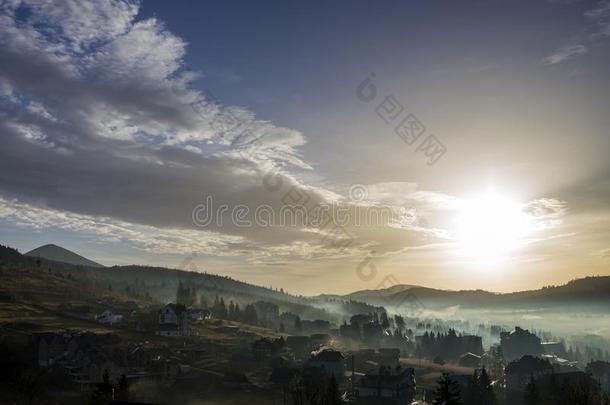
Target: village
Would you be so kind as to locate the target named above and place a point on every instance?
(370, 359)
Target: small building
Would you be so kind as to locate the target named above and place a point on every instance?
(329, 361)
(388, 383)
(554, 348)
(264, 348)
(299, 345)
(518, 343)
(196, 315)
(470, 360)
(110, 317)
(519, 373)
(173, 321)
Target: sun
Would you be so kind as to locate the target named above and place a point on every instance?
(489, 227)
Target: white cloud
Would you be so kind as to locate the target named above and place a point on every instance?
(600, 17)
(103, 132)
(148, 238)
(565, 53)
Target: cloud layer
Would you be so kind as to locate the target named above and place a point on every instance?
(103, 131)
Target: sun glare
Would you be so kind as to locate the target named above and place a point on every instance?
(489, 227)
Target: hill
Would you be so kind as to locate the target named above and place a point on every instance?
(35, 279)
(591, 292)
(59, 254)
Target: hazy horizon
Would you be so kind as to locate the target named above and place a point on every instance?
(452, 146)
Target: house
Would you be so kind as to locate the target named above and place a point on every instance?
(554, 348)
(351, 331)
(586, 384)
(173, 321)
(519, 373)
(110, 317)
(264, 348)
(470, 360)
(299, 345)
(560, 365)
(196, 315)
(329, 361)
(394, 384)
(518, 343)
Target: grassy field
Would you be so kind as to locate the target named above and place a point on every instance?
(427, 372)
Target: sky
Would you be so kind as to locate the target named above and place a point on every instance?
(455, 145)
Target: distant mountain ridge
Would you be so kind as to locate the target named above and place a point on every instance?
(589, 290)
(59, 254)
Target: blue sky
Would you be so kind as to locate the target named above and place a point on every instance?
(109, 143)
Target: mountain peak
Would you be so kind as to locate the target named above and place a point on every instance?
(59, 254)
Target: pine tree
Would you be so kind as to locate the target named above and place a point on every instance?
(222, 309)
(298, 327)
(232, 311)
(238, 315)
(250, 315)
(400, 322)
(447, 392)
(487, 394)
(385, 322)
(180, 292)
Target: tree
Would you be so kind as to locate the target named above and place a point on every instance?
(238, 314)
(250, 315)
(447, 392)
(219, 310)
(486, 391)
(400, 322)
(232, 311)
(385, 322)
(297, 324)
(180, 294)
